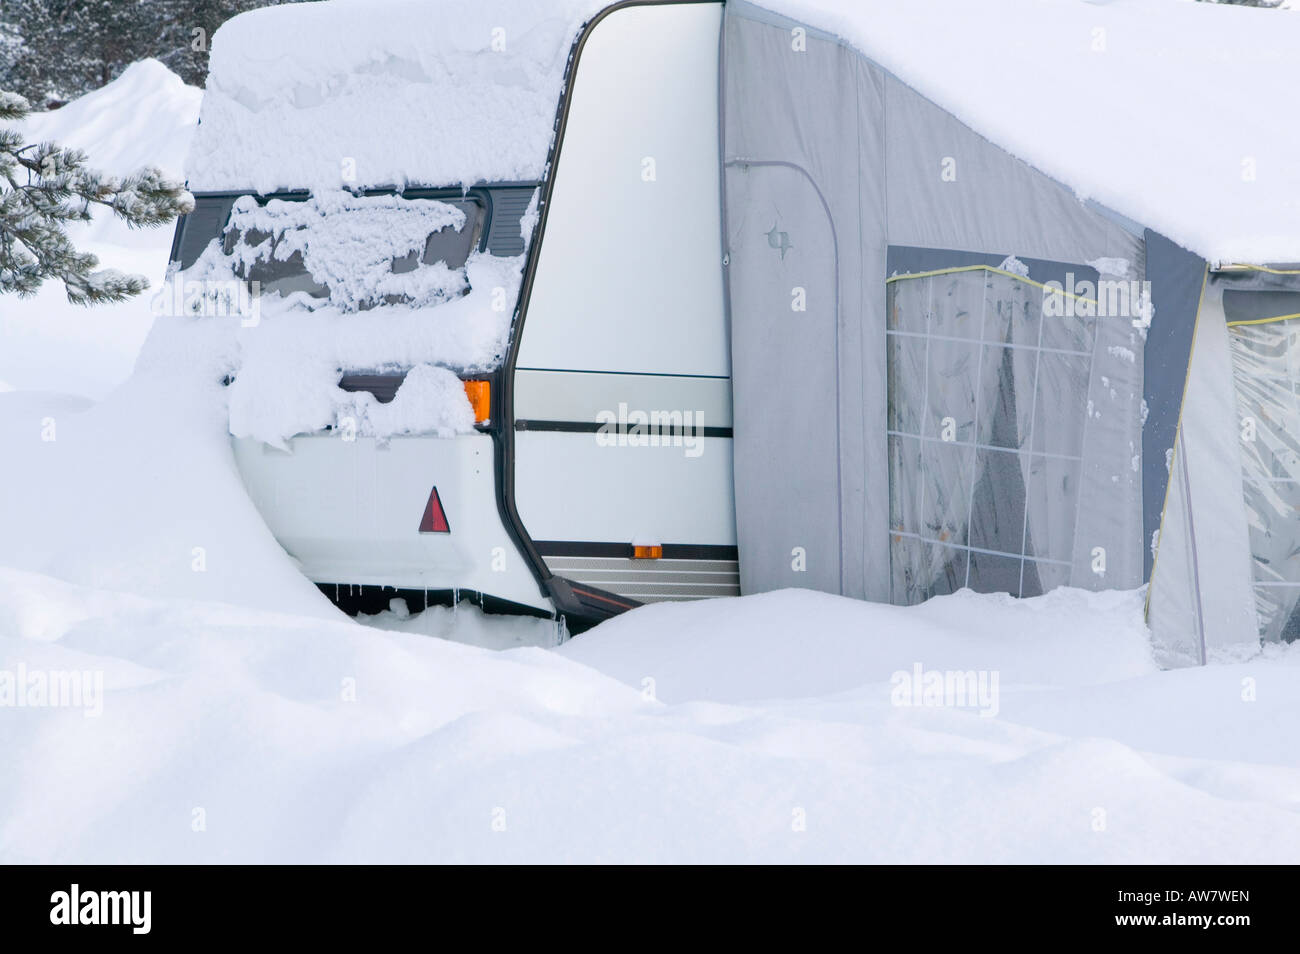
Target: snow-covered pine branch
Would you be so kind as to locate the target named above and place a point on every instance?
(43, 188)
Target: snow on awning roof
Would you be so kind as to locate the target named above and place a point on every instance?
(372, 93)
(1179, 115)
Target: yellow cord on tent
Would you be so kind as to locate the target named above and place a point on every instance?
(995, 271)
(1262, 321)
(1259, 268)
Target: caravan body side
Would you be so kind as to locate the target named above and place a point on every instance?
(621, 315)
(622, 390)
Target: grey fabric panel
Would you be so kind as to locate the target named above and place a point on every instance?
(805, 211)
(786, 438)
(866, 483)
(1110, 509)
(790, 119)
(757, 14)
(995, 202)
(1176, 276)
(1202, 584)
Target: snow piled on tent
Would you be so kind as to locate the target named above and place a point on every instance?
(362, 93)
(1177, 115)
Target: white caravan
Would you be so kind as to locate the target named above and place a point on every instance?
(597, 474)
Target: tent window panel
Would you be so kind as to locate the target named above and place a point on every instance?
(944, 501)
(922, 569)
(994, 574)
(1012, 312)
(1048, 575)
(1071, 332)
(950, 569)
(1009, 380)
(1063, 381)
(988, 498)
(953, 382)
(909, 309)
(905, 506)
(1266, 376)
(997, 520)
(958, 308)
(906, 363)
(1053, 502)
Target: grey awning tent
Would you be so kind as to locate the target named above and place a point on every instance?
(945, 368)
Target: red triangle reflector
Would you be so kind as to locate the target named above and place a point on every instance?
(434, 520)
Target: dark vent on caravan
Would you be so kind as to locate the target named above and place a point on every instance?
(508, 207)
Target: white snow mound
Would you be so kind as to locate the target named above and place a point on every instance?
(358, 93)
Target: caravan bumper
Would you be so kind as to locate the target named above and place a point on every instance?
(351, 511)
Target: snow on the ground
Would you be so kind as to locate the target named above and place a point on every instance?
(139, 492)
(144, 117)
(464, 624)
(736, 651)
(230, 734)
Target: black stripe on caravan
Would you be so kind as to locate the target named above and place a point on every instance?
(671, 551)
(630, 374)
(503, 384)
(591, 427)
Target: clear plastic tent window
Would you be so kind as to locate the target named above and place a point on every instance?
(988, 414)
(1266, 374)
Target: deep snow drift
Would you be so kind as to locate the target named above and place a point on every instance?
(227, 734)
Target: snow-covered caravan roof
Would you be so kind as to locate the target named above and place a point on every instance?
(1178, 115)
(372, 93)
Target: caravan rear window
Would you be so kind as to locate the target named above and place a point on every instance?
(356, 252)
